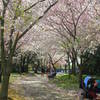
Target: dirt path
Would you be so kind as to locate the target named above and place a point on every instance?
(38, 88)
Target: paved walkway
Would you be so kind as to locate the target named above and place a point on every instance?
(38, 88)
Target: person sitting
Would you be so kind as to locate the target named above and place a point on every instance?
(90, 86)
(51, 72)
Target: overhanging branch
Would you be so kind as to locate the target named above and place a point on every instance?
(37, 20)
(33, 5)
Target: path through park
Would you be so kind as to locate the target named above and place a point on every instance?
(38, 88)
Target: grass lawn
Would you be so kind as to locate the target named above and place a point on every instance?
(13, 77)
(70, 83)
(66, 82)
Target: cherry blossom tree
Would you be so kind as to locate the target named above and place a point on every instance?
(16, 19)
(72, 21)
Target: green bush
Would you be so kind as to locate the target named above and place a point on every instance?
(66, 81)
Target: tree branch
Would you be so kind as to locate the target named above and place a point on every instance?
(15, 43)
(59, 59)
(80, 15)
(37, 20)
(33, 5)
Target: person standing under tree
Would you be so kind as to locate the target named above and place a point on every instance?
(42, 70)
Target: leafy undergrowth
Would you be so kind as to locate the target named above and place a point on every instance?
(69, 82)
(66, 82)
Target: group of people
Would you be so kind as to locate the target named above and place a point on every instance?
(91, 88)
(50, 71)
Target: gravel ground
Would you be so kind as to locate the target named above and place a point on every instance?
(38, 88)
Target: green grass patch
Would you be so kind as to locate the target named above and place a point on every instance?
(13, 77)
(70, 83)
(66, 82)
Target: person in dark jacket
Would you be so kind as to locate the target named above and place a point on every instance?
(42, 71)
(51, 73)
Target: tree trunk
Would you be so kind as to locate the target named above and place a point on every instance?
(26, 68)
(6, 70)
(80, 78)
(73, 66)
(65, 68)
(4, 87)
(5, 79)
(0, 73)
(27, 63)
(80, 66)
(0, 77)
(69, 66)
(36, 69)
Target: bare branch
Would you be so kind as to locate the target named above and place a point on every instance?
(68, 29)
(73, 16)
(14, 19)
(59, 59)
(96, 11)
(5, 3)
(33, 5)
(15, 43)
(80, 15)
